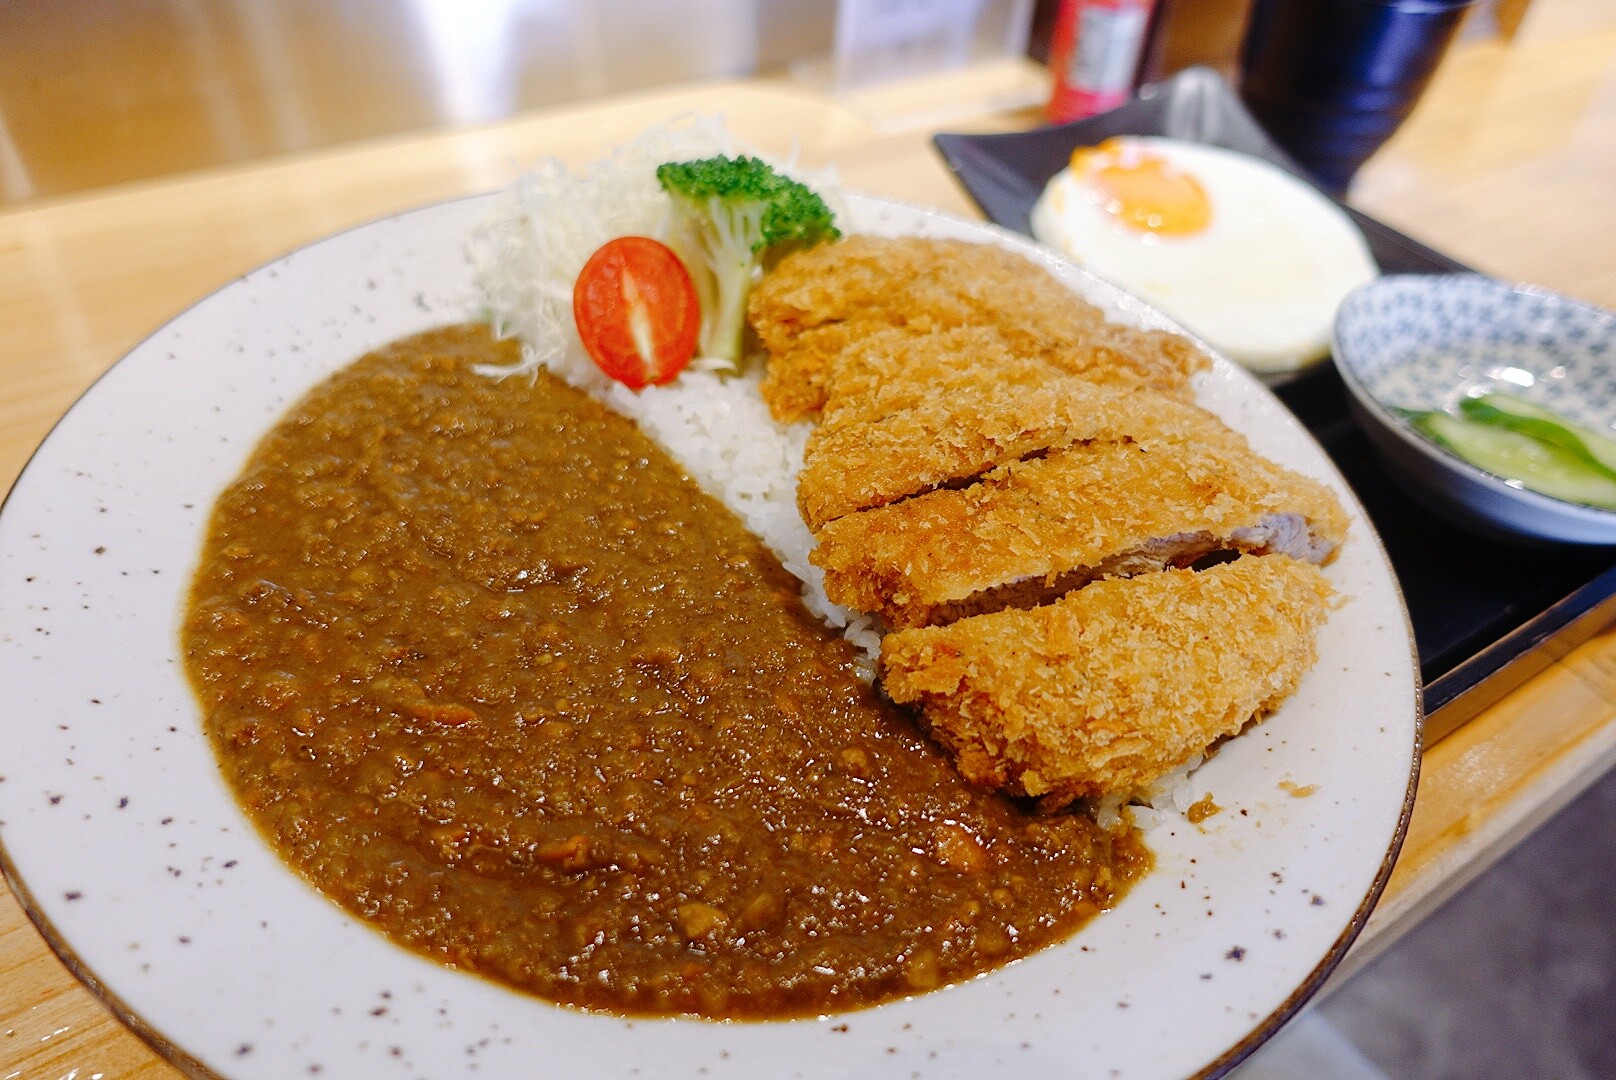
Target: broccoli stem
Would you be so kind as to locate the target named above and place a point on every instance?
(733, 263)
(730, 216)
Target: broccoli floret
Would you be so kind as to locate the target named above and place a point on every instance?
(732, 218)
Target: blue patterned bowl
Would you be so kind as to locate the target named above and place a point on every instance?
(1424, 341)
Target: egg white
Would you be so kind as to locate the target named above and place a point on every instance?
(1261, 283)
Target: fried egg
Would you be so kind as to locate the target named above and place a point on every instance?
(1242, 254)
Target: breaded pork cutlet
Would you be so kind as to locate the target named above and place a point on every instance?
(1032, 530)
(1090, 579)
(962, 428)
(1115, 685)
(894, 369)
(819, 302)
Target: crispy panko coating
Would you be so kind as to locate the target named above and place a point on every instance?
(1035, 528)
(893, 369)
(1117, 684)
(820, 302)
(1021, 490)
(962, 428)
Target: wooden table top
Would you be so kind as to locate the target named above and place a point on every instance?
(1509, 165)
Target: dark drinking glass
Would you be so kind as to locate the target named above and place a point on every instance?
(1332, 79)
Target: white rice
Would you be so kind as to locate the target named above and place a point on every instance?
(1170, 797)
(526, 255)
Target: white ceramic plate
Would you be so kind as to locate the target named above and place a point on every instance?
(126, 848)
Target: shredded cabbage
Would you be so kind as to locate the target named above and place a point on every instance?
(528, 252)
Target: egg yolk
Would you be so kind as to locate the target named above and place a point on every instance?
(1143, 190)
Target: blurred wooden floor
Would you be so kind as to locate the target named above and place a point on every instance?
(99, 92)
(95, 92)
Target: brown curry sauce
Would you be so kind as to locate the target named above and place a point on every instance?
(490, 672)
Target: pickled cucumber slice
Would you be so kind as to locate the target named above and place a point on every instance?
(1507, 410)
(1543, 465)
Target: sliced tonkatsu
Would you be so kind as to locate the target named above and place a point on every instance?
(1088, 579)
(1038, 527)
(960, 430)
(1102, 692)
(819, 302)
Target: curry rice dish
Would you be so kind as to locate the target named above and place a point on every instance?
(489, 671)
(494, 675)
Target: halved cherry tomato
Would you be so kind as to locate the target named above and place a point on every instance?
(637, 311)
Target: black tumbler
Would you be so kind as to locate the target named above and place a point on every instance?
(1331, 80)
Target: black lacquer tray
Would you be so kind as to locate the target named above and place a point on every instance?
(1487, 614)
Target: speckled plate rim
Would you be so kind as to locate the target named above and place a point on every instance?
(161, 913)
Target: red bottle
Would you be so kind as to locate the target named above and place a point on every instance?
(1094, 55)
